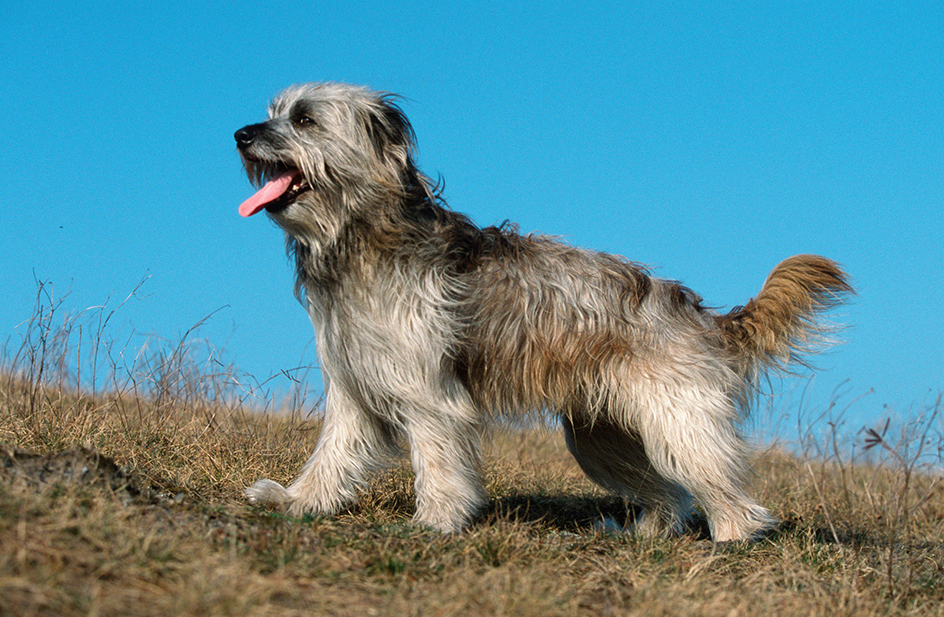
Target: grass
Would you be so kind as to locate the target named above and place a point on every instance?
(124, 498)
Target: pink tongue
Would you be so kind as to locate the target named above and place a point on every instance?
(273, 189)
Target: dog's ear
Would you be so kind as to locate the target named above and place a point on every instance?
(391, 132)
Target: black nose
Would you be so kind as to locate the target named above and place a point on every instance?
(245, 135)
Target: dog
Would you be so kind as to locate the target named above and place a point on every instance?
(428, 327)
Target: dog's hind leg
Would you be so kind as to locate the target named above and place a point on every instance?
(690, 438)
(615, 459)
(351, 444)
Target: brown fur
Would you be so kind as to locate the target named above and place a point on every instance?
(778, 325)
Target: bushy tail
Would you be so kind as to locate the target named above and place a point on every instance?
(782, 323)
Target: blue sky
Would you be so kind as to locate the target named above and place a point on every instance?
(708, 140)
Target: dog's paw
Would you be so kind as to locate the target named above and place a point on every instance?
(608, 526)
(266, 491)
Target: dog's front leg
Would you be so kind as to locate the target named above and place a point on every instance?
(446, 455)
(352, 442)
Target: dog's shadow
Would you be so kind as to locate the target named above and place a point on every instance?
(573, 513)
(565, 513)
(562, 512)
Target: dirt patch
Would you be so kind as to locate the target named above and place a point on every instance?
(69, 468)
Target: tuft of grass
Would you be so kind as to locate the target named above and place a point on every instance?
(121, 478)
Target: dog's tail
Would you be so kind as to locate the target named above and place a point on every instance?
(783, 322)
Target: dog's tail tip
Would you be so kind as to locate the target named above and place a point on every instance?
(784, 322)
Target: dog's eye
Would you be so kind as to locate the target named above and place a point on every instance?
(304, 121)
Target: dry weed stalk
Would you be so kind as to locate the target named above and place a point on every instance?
(878, 487)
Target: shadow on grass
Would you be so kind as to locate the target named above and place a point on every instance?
(575, 513)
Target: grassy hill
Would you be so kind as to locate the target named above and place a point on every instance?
(126, 499)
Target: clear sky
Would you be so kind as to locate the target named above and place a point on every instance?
(708, 140)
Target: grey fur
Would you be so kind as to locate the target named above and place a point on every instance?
(428, 326)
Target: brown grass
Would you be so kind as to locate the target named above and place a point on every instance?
(125, 499)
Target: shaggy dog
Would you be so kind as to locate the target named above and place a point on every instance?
(428, 326)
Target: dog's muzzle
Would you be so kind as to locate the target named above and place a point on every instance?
(284, 184)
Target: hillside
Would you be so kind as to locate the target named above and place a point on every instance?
(126, 499)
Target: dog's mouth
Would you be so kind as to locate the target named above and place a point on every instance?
(276, 194)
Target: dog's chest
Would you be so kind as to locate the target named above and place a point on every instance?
(392, 333)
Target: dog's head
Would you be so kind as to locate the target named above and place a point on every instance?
(326, 154)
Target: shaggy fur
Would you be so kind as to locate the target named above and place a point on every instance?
(427, 326)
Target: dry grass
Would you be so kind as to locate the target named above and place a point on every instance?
(124, 498)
